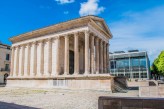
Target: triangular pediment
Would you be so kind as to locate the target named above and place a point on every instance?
(101, 24)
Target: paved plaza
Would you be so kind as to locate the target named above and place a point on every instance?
(28, 98)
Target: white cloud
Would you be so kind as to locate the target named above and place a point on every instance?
(65, 1)
(90, 8)
(143, 31)
(66, 12)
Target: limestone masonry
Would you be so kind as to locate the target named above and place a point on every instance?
(72, 54)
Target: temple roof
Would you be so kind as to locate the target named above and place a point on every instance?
(95, 21)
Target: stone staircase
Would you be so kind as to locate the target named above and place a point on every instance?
(120, 85)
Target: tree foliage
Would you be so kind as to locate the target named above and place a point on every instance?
(158, 64)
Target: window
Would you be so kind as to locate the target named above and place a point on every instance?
(143, 62)
(135, 75)
(8, 47)
(127, 75)
(113, 64)
(7, 67)
(8, 57)
(120, 64)
(135, 62)
(121, 75)
(143, 75)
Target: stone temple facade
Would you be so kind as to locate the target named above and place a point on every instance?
(72, 54)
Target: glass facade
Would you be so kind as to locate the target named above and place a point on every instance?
(132, 65)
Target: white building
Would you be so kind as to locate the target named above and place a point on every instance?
(5, 52)
(72, 54)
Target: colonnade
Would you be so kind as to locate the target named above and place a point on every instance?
(39, 59)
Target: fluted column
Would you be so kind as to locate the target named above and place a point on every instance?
(105, 65)
(86, 52)
(28, 58)
(66, 59)
(25, 60)
(49, 56)
(35, 59)
(92, 55)
(22, 60)
(57, 70)
(17, 66)
(107, 56)
(41, 58)
(101, 56)
(97, 56)
(76, 51)
(15, 61)
(12, 61)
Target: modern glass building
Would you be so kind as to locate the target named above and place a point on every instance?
(133, 64)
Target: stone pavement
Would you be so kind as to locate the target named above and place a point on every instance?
(26, 98)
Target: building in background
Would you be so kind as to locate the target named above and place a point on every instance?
(5, 52)
(133, 64)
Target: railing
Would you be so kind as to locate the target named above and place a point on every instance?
(130, 103)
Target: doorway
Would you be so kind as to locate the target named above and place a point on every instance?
(71, 62)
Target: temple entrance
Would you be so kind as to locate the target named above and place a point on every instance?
(71, 62)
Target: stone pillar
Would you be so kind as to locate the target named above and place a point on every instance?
(92, 55)
(22, 60)
(35, 59)
(97, 56)
(101, 57)
(86, 52)
(66, 59)
(107, 56)
(105, 65)
(76, 52)
(28, 58)
(57, 57)
(17, 59)
(25, 60)
(12, 61)
(42, 58)
(49, 56)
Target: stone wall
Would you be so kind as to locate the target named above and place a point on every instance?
(106, 102)
(80, 82)
(3, 61)
(151, 91)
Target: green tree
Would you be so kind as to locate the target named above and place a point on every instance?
(161, 63)
(158, 65)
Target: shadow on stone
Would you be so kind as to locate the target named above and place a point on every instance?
(2, 85)
(4, 105)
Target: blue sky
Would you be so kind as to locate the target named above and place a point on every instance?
(135, 24)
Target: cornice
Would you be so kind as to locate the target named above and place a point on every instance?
(72, 24)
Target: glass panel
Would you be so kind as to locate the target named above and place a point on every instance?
(119, 64)
(135, 75)
(142, 62)
(113, 64)
(134, 62)
(143, 75)
(127, 75)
